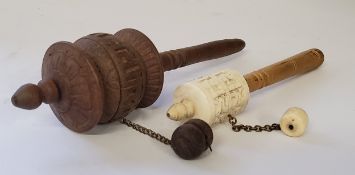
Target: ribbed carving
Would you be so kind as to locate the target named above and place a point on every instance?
(297, 64)
(151, 59)
(98, 48)
(132, 78)
(122, 72)
(79, 84)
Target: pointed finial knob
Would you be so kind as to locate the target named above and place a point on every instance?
(31, 96)
(27, 96)
(182, 110)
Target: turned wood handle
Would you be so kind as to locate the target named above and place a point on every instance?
(174, 59)
(297, 64)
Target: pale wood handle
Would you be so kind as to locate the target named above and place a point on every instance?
(297, 64)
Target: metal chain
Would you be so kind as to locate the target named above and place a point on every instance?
(232, 121)
(146, 131)
(248, 128)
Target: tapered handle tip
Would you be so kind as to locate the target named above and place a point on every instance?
(319, 56)
(190, 55)
(236, 44)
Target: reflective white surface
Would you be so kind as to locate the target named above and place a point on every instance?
(35, 142)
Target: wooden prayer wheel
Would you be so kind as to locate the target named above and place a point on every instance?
(102, 77)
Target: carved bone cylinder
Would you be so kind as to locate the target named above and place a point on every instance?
(211, 98)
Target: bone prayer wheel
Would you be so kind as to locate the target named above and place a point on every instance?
(211, 99)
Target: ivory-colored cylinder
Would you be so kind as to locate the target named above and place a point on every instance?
(211, 98)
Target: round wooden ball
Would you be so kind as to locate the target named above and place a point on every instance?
(191, 139)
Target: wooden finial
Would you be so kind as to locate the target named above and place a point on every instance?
(31, 96)
(27, 96)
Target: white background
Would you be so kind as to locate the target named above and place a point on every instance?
(35, 142)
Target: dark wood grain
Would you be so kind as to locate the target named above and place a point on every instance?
(191, 139)
(101, 54)
(80, 85)
(122, 71)
(174, 59)
(150, 58)
(103, 77)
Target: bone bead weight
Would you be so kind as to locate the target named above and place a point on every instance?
(214, 97)
(294, 122)
(102, 77)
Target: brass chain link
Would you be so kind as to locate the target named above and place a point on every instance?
(248, 128)
(146, 131)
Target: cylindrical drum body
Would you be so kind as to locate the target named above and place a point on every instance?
(215, 96)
